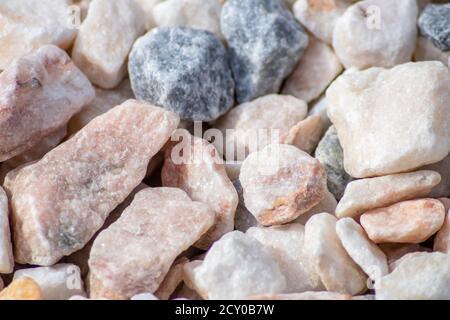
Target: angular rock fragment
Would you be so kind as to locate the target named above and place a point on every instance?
(396, 251)
(412, 221)
(386, 144)
(328, 205)
(105, 38)
(426, 51)
(265, 43)
(164, 219)
(39, 93)
(243, 219)
(6, 254)
(434, 23)
(184, 70)
(281, 183)
(311, 295)
(22, 289)
(60, 202)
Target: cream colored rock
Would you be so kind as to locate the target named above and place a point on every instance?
(364, 252)
(6, 254)
(442, 239)
(376, 33)
(59, 202)
(306, 134)
(328, 205)
(147, 8)
(311, 295)
(144, 296)
(28, 25)
(281, 183)
(38, 96)
(238, 266)
(163, 219)
(243, 219)
(315, 71)
(427, 51)
(172, 279)
(412, 221)
(285, 243)
(443, 168)
(337, 271)
(386, 145)
(366, 194)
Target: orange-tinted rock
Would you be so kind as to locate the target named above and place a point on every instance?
(22, 289)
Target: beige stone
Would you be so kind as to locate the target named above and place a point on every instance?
(22, 289)
(306, 134)
(427, 51)
(310, 295)
(147, 8)
(243, 219)
(6, 254)
(328, 205)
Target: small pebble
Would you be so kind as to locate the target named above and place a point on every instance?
(434, 23)
(22, 289)
(6, 254)
(442, 239)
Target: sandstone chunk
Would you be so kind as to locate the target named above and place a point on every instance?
(22, 289)
(434, 23)
(6, 255)
(411, 221)
(386, 144)
(280, 183)
(60, 202)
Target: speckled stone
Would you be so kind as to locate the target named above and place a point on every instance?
(434, 23)
(265, 42)
(184, 70)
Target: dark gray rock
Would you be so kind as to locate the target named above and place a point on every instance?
(265, 43)
(184, 70)
(434, 23)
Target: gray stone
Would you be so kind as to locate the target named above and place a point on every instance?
(243, 219)
(265, 43)
(184, 70)
(434, 23)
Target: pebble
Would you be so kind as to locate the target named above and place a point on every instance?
(426, 51)
(386, 144)
(22, 289)
(58, 282)
(236, 267)
(164, 219)
(376, 33)
(442, 239)
(412, 221)
(103, 58)
(184, 70)
(364, 252)
(329, 152)
(328, 205)
(434, 23)
(144, 296)
(25, 30)
(315, 71)
(337, 271)
(265, 43)
(306, 134)
(6, 254)
(319, 108)
(308, 295)
(63, 199)
(442, 189)
(201, 174)
(243, 219)
(280, 183)
(396, 251)
(39, 93)
(366, 194)
(147, 8)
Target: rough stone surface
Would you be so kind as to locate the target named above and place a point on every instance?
(184, 70)
(39, 93)
(6, 255)
(60, 202)
(328, 205)
(412, 221)
(163, 219)
(443, 168)
(366, 194)
(265, 43)
(434, 23)
(280, 183)
(386, 145)
(22, 289)
(426, 51)
(243, 219)
(384, 32)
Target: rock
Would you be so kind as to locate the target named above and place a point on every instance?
(200, 172)
(40, 92)
(59, 282)
(147, 8)
(443, 168)
(320, 16)
(105, 38)
(364, 252)
(426, 51)
(164, 219)
(309, 295)
(412, 221)
(384, 32)
(306, 134)
(396, 251)
(328, 205)
(329, 152)
(243, 219)
(315, 71)
(442, 239)
(281, 183)
(434, 23)
(265, 44)
(366, 194)
(172, 280)
(144, 296)
(197, 14)
(60, 202)
(238, 266)
(22, 289)
(319, 108)
(387, 146)
(6, 255)
(184, 70)
(285, 244)
(420, 277)
(253, 125)
(25, 30)
(337, 271)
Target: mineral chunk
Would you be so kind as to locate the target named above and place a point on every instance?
(6, 255)
(22, 289)
(434, 23)
(426, 51)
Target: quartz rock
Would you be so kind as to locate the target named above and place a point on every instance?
(328, 205)
(172, 279)
(39, 94)
(309, 295)
(443, 168)
(412, 221)
(366, 194)
(243, 219)
(265, 43)
(376, 33)
(59, 202)
(306, 134)
(434, 23)
(184, 70)
(22, 289)
(6, 255)
(426, 51)
(164, 219)
(386, 145)
(280, 183)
